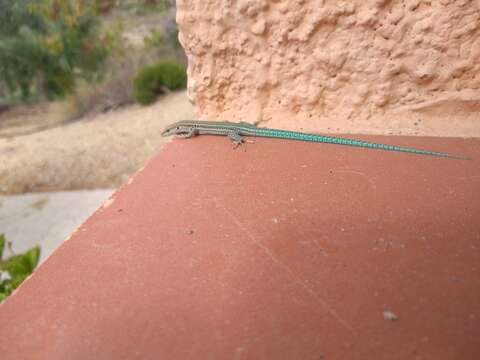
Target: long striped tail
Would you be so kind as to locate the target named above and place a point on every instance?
(293, 135)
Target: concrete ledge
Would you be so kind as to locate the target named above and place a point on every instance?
(279, 250)
(46, 219)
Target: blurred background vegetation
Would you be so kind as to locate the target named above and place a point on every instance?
(65, 60)
(95, 54)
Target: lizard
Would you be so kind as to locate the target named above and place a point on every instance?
(237, 131)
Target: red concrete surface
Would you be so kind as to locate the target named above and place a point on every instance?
(277, 250)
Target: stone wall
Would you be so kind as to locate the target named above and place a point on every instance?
(315, 64)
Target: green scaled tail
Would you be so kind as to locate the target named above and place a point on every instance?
(293, 135)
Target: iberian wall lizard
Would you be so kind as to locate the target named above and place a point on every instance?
(236, 132)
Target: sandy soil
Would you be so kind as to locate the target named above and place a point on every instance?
(102, 151)
(40, 153)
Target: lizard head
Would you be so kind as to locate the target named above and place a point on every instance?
(178, 128)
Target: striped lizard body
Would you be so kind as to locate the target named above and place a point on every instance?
(237, 131)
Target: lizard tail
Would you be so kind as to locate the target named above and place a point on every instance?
(293, 135)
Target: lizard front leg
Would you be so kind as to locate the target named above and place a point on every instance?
(191, 133)
(237, 139)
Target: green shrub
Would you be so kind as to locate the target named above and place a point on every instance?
(17, 14)
(151, 81)
(48, 51)
(16, 268)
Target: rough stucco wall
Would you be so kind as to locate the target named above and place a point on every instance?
(313, 64)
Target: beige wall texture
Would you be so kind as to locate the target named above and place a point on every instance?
(372, 66)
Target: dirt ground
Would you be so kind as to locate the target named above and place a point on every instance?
(39, 153)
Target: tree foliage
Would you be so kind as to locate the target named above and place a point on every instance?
(46, 46)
